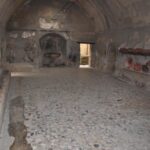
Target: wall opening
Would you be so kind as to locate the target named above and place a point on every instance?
(53, 50)
(85, 55)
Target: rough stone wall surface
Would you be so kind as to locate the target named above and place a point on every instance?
(53, 15)
(113, 14)
(7, 7)
(117, 23)
(109, 45)
(105, 13)
(29, 23)
(128, 38)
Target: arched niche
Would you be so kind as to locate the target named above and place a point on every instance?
(54, 50)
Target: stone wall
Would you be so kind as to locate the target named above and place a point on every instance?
(110, 59)
(37, 19)
(125, 25)
(24, 47)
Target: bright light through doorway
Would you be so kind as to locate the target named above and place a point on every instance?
(85, 55)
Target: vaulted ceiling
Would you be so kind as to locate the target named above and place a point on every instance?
(107, 14)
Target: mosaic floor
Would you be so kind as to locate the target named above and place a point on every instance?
(70, 109)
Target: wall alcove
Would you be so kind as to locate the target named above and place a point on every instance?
(53, 47)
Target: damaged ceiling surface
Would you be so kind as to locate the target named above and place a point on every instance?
(106, 14)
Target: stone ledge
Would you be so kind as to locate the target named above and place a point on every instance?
(3, 96)
(19, 67)
(141, 80)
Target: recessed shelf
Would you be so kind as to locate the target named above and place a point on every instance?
(136, 51)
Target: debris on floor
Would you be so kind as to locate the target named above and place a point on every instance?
(17, 129)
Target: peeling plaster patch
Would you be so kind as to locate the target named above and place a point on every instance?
(147, 42)
(135, 41)
(15, 24)
(48, 25)
(139, 45)
(123, 45)
(136, 36)
(27, 34)
(13, 35)
(27, 2)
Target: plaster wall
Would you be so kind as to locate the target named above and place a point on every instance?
(109, 58)
(36, 19)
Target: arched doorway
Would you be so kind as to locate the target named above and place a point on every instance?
(54, 51)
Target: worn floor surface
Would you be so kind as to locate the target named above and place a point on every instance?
(70, 109)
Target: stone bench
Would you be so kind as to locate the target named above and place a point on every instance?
(4, 85)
